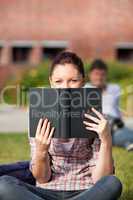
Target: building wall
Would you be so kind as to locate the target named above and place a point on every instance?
(92, 28)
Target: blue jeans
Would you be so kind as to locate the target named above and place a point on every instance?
(123, 137)
(11, 188)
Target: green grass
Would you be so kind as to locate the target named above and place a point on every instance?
(15, 147)
(124, 170)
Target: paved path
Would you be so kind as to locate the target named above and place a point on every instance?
(13, 119)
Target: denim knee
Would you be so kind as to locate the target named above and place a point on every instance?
(7, 185)
(115, 183)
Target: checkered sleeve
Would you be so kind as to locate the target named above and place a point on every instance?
(32, 151)
(95, 154)
(95, 151)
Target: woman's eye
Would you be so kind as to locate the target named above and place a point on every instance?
(74, 80)
(58, 81)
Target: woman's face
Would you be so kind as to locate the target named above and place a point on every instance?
(66, 76)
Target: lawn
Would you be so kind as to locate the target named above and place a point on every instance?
(14, 147)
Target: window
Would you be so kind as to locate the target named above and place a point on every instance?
(2, 44)
(21, 54)
(21, 51)
(51, 52)
(0, 53)
(52, 48)
(125, 52)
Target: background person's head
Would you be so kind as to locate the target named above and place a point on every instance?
(67, 71)
(98, 73)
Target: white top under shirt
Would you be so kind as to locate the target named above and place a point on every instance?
(110, 100)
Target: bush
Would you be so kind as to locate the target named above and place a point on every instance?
(36, 77)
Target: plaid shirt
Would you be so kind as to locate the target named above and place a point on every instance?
(72, 163)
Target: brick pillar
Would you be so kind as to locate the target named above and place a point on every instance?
(6, 55)
(35, 55)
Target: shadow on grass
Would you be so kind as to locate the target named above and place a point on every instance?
(128, 195)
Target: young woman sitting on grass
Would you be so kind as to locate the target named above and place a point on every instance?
(74, 168)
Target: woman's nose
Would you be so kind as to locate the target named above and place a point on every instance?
(66, 85)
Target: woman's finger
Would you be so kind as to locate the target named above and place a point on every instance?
(47, 131)
(94, 119)
(90, 124)
(97, 113)
(44, 126)
(91, 129)
(38, 130)
(50, 135)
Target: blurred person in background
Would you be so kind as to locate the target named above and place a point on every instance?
(97, 75)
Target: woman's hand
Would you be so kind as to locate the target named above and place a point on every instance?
(43, 136)
(100, 125)
(41, 168)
